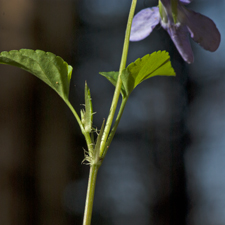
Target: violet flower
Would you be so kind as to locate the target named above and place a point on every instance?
(179, 22)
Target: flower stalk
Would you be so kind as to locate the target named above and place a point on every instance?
(94, 167)
(119, 81)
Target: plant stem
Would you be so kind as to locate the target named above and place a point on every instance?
(113, 131)
(119, 81)
(94, 168)
(90, 194)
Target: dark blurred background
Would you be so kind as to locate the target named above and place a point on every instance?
(166, 164)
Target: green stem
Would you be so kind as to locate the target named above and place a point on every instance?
(113, 131)
(90, 194)
(86, 134)
(119, 81)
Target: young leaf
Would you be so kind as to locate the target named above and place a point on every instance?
(156, 64)
(51, 69)
(88, 114)
(112, 77)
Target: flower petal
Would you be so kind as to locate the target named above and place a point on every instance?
(202, 29)
(180, 37)
(185, 1)
(167, 3)
(143, 23)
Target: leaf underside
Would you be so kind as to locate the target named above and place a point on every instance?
(51, 69)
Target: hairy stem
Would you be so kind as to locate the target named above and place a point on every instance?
(86, 134)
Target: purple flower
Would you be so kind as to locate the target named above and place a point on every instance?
(179, 23)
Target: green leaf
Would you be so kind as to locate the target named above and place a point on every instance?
(88, 113)
(156, 64)
(51, 69)
(112, 77)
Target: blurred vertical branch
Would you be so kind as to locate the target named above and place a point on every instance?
(34, 136)
(53, 32)
(16, 123)
(170, 142)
